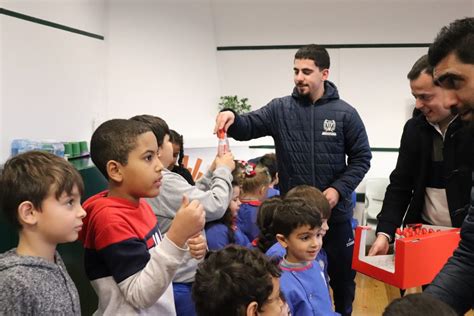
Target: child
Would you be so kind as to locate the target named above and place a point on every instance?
(178, 155)
(418, 304)
(297, 225)
(236, 281)
(266, 237)
(314, 197)
(269, 161)
(254, 190)
(128, 262)
(41, 196)
(224, 231)
(213, 191)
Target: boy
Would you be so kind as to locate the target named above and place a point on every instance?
(269, 161)
(128, 262)
(236, 281)
(213, 191)
(313, 197)
(40, 196)
(297, 225)
(418, 304)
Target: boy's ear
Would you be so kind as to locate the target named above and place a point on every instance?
(114, 170)
(282, 240)
(27, 213)
(252, 309)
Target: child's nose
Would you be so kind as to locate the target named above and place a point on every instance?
(82, 212)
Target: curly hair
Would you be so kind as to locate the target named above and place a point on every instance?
(230, 279)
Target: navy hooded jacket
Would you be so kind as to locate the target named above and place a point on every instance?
(311, 143)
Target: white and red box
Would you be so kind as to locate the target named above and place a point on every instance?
(417, 260)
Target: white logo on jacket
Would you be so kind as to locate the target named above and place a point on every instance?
(329, 128)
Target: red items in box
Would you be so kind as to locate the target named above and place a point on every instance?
(416, 261)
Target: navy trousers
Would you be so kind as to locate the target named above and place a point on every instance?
(339, 246)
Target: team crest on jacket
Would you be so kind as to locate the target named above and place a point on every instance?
(329, 128)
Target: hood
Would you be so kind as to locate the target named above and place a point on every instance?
(11, 259)
(330, 93)
(98, 203)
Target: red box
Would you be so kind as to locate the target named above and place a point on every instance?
(416, 261)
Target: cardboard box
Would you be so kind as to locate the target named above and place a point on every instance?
(416, 261)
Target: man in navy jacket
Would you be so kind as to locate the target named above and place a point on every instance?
(452, 55)
(314, 131)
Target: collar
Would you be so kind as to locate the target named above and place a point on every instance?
(298, 266)
(436, 126)
(252, 202)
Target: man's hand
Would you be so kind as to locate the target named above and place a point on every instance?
(197, 246)
(224, 120)
(332, 196)
(380, 246)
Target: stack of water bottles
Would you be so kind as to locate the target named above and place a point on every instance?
(19, 146)
(66, 150)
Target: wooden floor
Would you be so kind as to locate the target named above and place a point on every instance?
(373, 296)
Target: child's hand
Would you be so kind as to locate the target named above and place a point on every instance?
(227, 160)
(197, 246)
(188, 222)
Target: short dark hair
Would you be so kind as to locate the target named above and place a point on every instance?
(270, 162)
(293, 213)
(313, 196)
(316, 53)
(420, 66)
(157, 124)
(114, 140)
(266, 211)
(177, 139)
(230, 279)
(457, 38)
(418, 304)
(31, 176)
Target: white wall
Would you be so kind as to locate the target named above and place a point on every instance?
(162, 61)
(280, 22)
(53, 81)
(159, 57)
(373, 80)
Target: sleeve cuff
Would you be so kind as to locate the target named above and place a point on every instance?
(386, 235)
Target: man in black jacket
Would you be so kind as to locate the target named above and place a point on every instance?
(428, 178)
(314, 132)
(452, 55)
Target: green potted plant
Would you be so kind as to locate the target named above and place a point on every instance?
(233, 102)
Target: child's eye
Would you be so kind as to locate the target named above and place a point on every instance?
(70, 202)
(149, 157)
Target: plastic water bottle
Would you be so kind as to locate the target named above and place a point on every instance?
(223, 142)
(18, 146)
(55, 148)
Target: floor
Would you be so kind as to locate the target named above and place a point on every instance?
(373, 296)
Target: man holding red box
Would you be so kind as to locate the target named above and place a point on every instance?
(430, 183)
